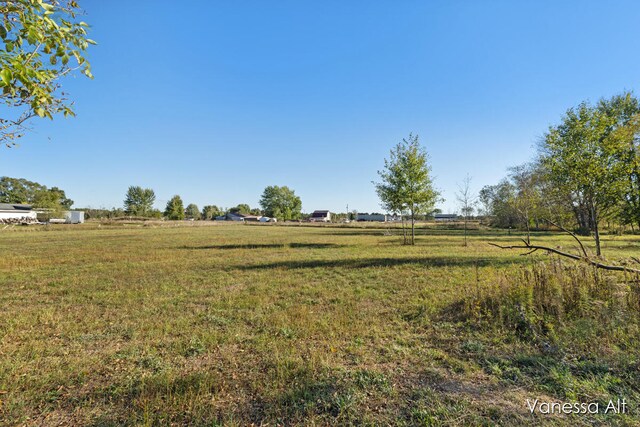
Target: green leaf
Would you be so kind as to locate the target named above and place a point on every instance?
(65, 59)
(6, 76)
(40, 112)
(3, 32)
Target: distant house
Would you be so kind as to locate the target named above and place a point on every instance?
(320, 216)
(229, 216)
(372, 217)
(16, 213)
(445, 217)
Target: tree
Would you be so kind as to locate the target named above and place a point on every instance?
(139, 201)
(527, 198)
(626, 132)
(49, 200)
(20, 190)
(406, 181)
(467, 202)
(61, 197)
(192, 211)
(43, 41)
(585, 156)
(390, 190)
(242, 209)
(210, 212)
(281, 203)
(496, 204)
(175, 208)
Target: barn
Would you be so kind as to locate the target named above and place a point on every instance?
(11, 213)
(320, 216)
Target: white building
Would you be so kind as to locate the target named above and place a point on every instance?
(320, 216)
(16, 213)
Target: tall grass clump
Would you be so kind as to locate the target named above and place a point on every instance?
(549, 300)
(562, 328)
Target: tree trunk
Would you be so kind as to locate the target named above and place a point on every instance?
(596, 231)
(404, 230)
(465, 230)
(413, 231)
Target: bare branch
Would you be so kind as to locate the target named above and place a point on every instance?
(572, 234)
(588, 260)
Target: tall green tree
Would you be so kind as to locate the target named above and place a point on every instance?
(626, 133)
(528, 198)
(43, 41)
(211, 211)
(174, 209)
(585, 156)
(20, 190)
(496, 204)
(242, 208)
(406, 182)
(139, 201)
(192, 211)
(49, 200)
(281, 203)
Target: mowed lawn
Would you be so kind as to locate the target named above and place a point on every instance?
(241, 324)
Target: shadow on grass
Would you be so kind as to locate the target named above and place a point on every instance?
(323, 398)
(268, 246)
(388, 262)
(424, 232)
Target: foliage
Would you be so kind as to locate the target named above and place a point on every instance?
(495, 200)
(281, 203)
(211, 211)
(406, 181)
(43, 41)
(585, 155)
(102, 213)
(20, 190)
(242, 209)
(139, 201)
(192, 211)
(52, 200)
(174, 209)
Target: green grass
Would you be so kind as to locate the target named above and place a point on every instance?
(233, 325)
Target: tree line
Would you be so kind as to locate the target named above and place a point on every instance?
(276, 202)
(586, 173)
(23, 191)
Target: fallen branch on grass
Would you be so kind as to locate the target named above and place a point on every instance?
(532, 248)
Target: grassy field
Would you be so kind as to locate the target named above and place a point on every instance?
(239, 324)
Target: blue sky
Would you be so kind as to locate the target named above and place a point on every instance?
(215, 100)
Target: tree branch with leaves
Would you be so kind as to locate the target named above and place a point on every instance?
(43, 41)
